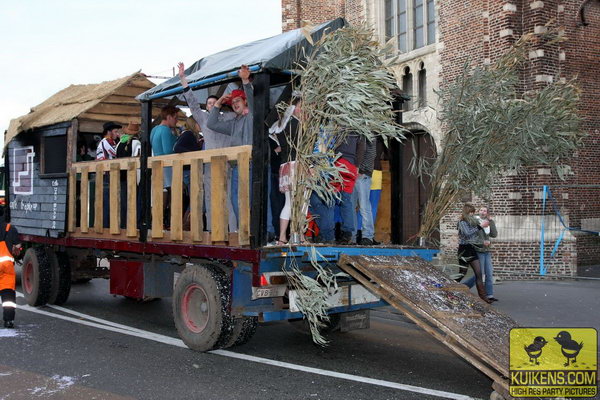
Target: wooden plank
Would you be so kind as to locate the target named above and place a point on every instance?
(354, 266)
(130, 91)
(230, 153)
(120, 119)
(105, 164)
(243, 198)
(218, 198)
(89, 126)
(157, 199)
(391, 266)
(131, 200)
(177, 201)
(423, 324)
(72, 134)
(450, 288)
(116, 109)
(83, 200)
(455, 314)
(196, 200)
(115, 199)
(118, 99)
(98, 224)
(72, 206)
(105, 235)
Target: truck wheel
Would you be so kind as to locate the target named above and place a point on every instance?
(249, 326)
(243, 330)
(201, 308)
(36, 277)
(61, 277)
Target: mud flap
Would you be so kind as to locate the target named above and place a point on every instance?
(354, 320)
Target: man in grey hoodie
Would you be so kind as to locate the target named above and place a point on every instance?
(240, 128)
(212, 140)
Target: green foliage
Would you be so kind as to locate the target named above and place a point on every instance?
(346, 88)
(491, 125)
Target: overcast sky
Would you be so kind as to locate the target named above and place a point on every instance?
(46, 45)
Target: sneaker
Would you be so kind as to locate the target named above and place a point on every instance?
(345, 238)
(492, 298)
(319, 239)
(9, 324)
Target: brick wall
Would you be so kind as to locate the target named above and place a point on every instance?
(317, 11)
(480, 31)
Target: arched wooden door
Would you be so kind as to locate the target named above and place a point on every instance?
(409, 192)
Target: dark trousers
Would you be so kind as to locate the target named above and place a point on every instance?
(9, 301)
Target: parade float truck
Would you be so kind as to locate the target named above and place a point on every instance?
(222, 284)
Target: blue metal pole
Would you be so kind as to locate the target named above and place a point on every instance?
(179, 89)
(542, 266)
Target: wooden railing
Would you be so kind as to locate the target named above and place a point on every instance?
(83, 173)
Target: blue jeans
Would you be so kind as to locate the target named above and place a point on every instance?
(324, 215)
(487, 270)
(348, 211)
(234, 191)
(362, 192)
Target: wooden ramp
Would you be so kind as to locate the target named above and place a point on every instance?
(445, 309)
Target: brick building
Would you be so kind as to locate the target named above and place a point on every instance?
(434, 39)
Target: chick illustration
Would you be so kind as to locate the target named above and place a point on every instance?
(569, 347)
(534, 350)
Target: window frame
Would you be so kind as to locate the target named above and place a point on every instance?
(408, 44)
(43, 173)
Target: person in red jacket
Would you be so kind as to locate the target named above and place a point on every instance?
(9, 249)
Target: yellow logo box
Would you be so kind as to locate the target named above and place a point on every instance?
(553, 362)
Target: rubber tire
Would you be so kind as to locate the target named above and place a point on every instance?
(301, 324)
(61, 277)
(243, 330)
(41, 276)
(249, 326)
(220, 325)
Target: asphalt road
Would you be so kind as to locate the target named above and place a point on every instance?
(74, 358)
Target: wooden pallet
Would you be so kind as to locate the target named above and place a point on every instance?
(460, 320)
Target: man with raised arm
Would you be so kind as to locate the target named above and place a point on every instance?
(240, 128)
(212, 140)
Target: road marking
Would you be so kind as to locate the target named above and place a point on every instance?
(126, 330)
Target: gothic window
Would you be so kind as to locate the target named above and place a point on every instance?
(422, 86)
(407, 88)
(411, 22)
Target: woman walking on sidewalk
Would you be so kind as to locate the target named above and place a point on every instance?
(468, 237)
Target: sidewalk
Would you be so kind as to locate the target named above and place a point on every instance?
(561, 303)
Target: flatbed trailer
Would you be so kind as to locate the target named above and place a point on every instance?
(222, 283)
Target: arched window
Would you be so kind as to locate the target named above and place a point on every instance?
(422, 86)
(407, 88)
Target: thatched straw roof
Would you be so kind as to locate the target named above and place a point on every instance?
(101, 102)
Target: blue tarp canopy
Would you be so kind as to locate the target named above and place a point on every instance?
(277, 53)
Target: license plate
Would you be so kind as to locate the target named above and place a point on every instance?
(271, 291)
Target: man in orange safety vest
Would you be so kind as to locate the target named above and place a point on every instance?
(9, 249)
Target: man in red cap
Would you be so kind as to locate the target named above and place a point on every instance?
(240, 128)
